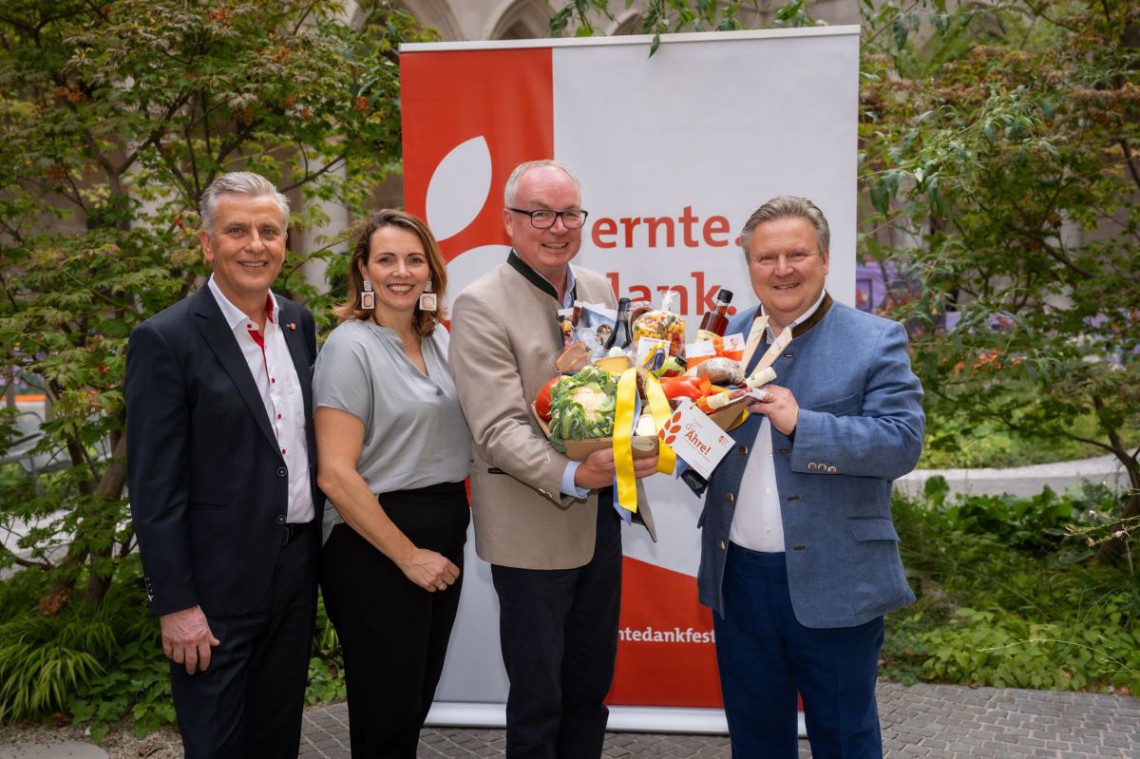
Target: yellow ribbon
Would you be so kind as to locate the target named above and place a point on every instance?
(623, 429)
(660, 410)
(623, 445)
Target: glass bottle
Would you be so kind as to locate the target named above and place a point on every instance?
(715, 321)
(622, 335)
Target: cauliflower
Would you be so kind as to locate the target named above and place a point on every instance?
(582, 407)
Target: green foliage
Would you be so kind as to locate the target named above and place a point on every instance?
(134, 684)
(326, 668)
(1009, 597)
(45, 659)
(113, 119)
(998, 141)
(103, 665)
(954, 442)
(1029, 524)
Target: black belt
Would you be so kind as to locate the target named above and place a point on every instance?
(293, 530)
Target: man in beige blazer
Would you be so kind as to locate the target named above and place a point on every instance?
(545, 523)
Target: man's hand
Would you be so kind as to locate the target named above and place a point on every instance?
(597, 470)
(186, 639)
(430, 570)
(779, 406)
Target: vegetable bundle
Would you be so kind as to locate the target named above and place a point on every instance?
(582, 406)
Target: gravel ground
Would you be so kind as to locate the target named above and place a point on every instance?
(119, 744)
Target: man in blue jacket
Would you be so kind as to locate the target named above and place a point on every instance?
(799, 555)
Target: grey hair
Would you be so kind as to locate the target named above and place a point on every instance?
(239, 183)
(783, 206)
(520, 170)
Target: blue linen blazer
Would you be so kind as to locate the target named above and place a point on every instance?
(860, 427)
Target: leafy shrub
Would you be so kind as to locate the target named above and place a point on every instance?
(1029, 524)
(1007, 596)
(1005, 650)
(326, 668)
(43, 660)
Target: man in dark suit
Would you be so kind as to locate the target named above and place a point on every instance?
(221, 468)
(799, 555)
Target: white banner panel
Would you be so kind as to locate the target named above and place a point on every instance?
(674, 153)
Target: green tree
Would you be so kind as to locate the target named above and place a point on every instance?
(999, 173)
(113, 118)
(1001, 143)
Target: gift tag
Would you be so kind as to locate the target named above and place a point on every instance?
(695, 438)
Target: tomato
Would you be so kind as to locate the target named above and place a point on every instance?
(542, 400)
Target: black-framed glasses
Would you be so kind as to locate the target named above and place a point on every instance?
(573, 218)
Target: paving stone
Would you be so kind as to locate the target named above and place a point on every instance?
(923, 720)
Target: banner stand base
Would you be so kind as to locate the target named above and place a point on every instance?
(629, 719)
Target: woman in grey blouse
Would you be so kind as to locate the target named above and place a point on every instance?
(393, 453)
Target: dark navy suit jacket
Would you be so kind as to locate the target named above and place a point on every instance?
(860, 427)
(208, 484)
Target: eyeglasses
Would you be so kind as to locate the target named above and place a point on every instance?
(544, 219)
(769, 261)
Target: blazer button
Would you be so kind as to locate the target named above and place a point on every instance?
(729, 497)
(721, 545)
(282, 471)
(832, 470)
(742, 450)
(812, 466)
(785, 450)
(280, 519)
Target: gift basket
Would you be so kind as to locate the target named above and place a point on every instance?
(623, 377)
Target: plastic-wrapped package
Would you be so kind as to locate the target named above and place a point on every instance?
(663, 324)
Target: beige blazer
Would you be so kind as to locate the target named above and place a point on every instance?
(504, 337)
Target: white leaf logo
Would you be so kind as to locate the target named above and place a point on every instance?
(459, 188)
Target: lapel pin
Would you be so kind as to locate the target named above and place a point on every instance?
(292, 325)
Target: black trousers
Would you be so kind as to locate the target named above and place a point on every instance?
(250, 701)
(393, 634)
(559, 631)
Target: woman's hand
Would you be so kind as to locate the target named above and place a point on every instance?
(430, 570)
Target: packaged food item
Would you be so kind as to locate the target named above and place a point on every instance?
(595, 324)
(573, 357)
(721, 370)
(663, 324)
(637, 308)
(569, 320)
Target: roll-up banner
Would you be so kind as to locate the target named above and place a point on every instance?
(674, 151)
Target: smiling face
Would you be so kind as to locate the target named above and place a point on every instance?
(398, 269)
(246, 247)
(547, 251)
(787, 268)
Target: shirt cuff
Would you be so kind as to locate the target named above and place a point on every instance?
(568, 486)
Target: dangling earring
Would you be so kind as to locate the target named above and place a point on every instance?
(367, 297)
(427, 298)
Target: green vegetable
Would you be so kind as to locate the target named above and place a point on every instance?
(582, 407)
